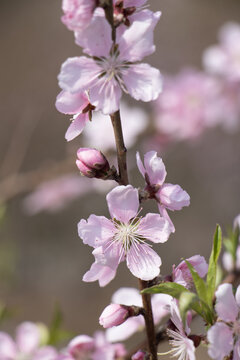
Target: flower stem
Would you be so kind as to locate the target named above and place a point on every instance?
(121, 149)
(123, 175)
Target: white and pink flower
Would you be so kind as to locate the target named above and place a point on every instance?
(124, 237)
(168, 196)
(113, 69)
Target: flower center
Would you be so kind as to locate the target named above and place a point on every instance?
(127, 235)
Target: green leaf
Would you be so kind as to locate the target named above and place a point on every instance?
(56, 333)
(186, 302)
(169, 288)
(212, 266)
(199, 283)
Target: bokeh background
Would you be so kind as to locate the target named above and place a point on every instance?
(42, 259)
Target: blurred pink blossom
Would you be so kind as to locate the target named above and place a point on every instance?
(187, 105)
(26, 346)
(94, 348)
(124, 237)
(111, 70)
(224, 58)
(77, 13)
(54, 195)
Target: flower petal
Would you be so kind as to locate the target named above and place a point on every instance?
(226, 306)
(78, 73)
(137, 41)
(105, 94)
(96, 39)
(68, 103)
(123, 202)
(155, 168)
(143, 262)
(173, 197)
(8, 350)
(127, 296)
(161, 306)
(220, 339)
(125, 330)
(103, 274)
(155, 228)
(27, 337)
(46, 353)
(237, 296)
(140, 166)
(142, 81)
(76, 127)
(96, 230)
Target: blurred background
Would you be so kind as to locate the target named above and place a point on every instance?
(42, 259)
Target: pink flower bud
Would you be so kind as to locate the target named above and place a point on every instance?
(113, 315)
(140, 355)
(91, 162)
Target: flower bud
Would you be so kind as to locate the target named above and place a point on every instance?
(92, 163)
(140, 355)
(114, 315)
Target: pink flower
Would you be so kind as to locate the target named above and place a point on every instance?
(129, 297)
(223, 336)
(96, 348)
(223, 59)
(124, 237)
(114, 315)
(77, 105)
(139, 355)
(127, 11)
(27, 344)
(168, 196)
(183, 346)
(187, 105)
(77, 13)
(182, 275)
(112, 70)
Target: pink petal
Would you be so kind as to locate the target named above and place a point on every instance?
(173, 197)
(77, 13)
(142, 81)
(96, 230)
(46, 353)
(105, 94)
(125, 330)
(140, 165)
(103, 274)
(123, 203)
(8, 349)
(220, 339)
(163, 212)
(143, 262)
(226, 306)
(137, 41)
(136, 3)
(155, 228)
(27, 337)
(76, 127)
(78, 73)
(68, 103)
(155, 168)
(96, 40)
(80, 345)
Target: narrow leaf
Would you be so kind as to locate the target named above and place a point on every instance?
(212, 267)
(169, 288)
(186, 302)
(199, 283)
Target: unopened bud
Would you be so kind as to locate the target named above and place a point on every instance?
(91, 162)
(114, 315)
(140, 355)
